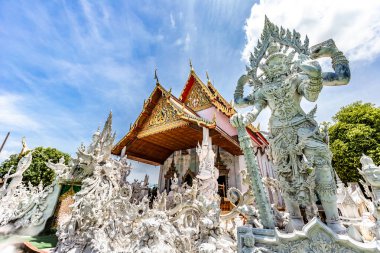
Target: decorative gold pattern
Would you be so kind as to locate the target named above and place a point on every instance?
(197, 99)
(161, 128)
(199, 121)
(162, 114)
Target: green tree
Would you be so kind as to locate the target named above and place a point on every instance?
(38, 171)
(356, 131)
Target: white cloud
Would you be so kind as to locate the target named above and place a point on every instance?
(12, 145)
(91, 17)
(172, 20)
(187, 42)
(12, 114)
(5, 155)
(354, 25)
(9, 147)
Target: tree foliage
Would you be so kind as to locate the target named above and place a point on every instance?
(356, 131)
(38, 171)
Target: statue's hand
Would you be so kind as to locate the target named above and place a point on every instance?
(311, 68)
(239, 100)
(240, 103)
(242, 119)
(324, 49)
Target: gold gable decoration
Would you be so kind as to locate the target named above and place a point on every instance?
(197, 99)
(163, 113)
(163, 117)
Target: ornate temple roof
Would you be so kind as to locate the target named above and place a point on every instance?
(167, 124)
(195, 86)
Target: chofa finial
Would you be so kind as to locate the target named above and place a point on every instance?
(156, 77)
(191, 65)
(208, 78)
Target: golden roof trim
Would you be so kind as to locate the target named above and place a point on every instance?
(162, 128)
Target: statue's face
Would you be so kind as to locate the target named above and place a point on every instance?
(372, 175)
(276, 66)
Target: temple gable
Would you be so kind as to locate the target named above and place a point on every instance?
(197, 99)
(163, 113)
(163, 117)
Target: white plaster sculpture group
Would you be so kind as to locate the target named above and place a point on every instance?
(107, 218)
(25, 208)
(371, 175)
(357, 212)
(110, 214)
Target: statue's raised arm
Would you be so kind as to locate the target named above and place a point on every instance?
(341, 74)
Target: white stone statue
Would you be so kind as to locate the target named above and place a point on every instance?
(282, 72)
(16, 177)
(371, 175)
(208, 174)
(140, 189)
(16, 198)
(99, 151)
(62, 171)
(355, 210)
(26, 208)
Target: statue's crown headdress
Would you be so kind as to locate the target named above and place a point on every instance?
(273, 40)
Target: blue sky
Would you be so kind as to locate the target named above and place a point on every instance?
(66, 64)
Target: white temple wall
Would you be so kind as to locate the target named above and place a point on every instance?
(222, 120)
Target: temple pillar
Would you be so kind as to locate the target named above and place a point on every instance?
(193, 161)
(122, 154)
(181, 166)
(206, 140)
(161, 183)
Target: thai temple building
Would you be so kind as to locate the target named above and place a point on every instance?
(168, 130)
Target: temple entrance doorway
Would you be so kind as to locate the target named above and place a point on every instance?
(222, 186)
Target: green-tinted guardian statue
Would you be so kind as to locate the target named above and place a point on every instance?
(283, 71)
